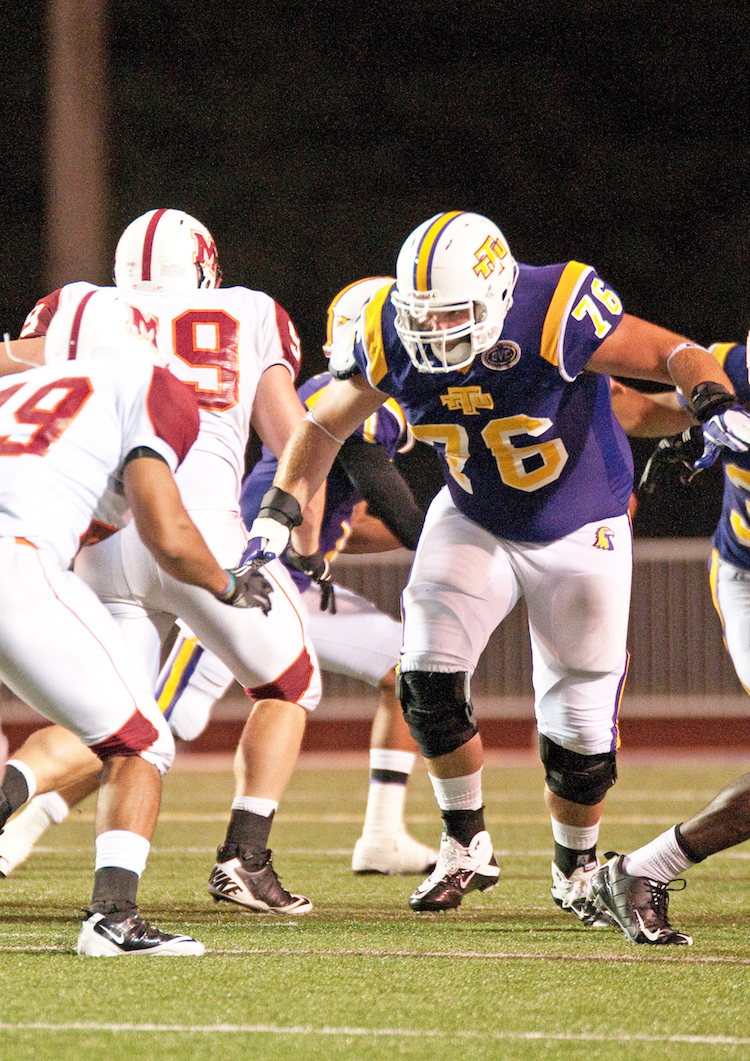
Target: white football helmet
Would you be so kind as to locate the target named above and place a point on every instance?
(343, 311)
(166, 250)
(104, 326)
(455, 276)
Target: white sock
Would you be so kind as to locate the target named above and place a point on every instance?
(661, 860)
(389, 759)
(121, 848)
(36, 817)
(386, 796)
(385, 808)
(255, 805)
(458, 793)
(575, 837)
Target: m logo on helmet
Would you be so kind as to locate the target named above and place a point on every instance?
(488, 256)
(142, 325)
(205, 254)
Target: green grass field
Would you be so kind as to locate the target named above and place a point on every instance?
(507, 976)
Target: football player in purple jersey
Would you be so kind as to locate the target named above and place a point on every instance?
(633, 888)
(504, 370)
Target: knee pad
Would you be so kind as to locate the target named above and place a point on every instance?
(437, 710)
(579, 778)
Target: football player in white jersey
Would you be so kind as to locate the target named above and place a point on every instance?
(238, 351)
(78, 439)
(355, 638)
(504, 369)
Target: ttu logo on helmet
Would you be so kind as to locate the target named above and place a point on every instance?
(489, 256)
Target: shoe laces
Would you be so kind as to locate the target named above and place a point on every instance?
(660, 899)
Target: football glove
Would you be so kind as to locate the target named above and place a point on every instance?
(316, 566)
(678, 451)
(269, 535)
(726, 430)
(247, 589)
(726, 425)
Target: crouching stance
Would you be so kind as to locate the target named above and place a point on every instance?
(76, 441)
(503, 368)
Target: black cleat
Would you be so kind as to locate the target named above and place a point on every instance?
(259, 890)
(103, 937)
(637, 904)
(459, 870)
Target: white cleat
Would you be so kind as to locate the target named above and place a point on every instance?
(571, 893)
(101, 937)
(24, 829)
(396, 854)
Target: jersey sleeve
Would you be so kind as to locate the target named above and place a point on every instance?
(291, 348)
(733, 359)
(387, 427)
(582, 312)
(174, 415)
(38, 321)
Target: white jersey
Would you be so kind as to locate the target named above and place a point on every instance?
(65, 432)
(220, 341)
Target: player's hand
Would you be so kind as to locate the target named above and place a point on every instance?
(678, 451)
(247, 589)
(268, 540)
(316, 566)
(279, 513)
(730, 430)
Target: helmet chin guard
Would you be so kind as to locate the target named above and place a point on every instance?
(455, 277)
(166, 250)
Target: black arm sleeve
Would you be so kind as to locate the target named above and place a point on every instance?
(387, 494)
(142, 451)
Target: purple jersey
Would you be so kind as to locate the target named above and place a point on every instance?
(387, 428)
(528, 442)
(732, 535)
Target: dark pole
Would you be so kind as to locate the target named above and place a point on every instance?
(77, 236)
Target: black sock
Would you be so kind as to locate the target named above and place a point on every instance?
(388, 777)
(567, 859)
(685, 847)
(247, 836)
(463, 825)
(115, 891)
(13, 794)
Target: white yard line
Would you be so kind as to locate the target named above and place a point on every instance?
(365, 1033)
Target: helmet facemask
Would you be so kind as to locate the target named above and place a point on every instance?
(439, 337)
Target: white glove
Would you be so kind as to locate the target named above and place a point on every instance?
(268, 540)
(727, 430)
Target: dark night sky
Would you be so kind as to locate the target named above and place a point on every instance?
(312, 138)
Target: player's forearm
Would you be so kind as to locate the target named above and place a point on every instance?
(184, 555)
(649, 415)
(370, 535)
(165, 527)
(19, 354)
(305, 537)
(692, 365)
(305, 462)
